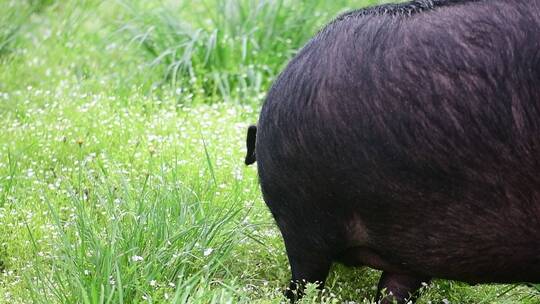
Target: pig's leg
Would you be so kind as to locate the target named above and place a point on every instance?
(308, 265)
(399, 287)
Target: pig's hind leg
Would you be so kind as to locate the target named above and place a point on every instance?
(308, 265)
(398, 288)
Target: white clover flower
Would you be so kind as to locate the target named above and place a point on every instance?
(137, 258)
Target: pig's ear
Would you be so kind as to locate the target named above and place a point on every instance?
(250, 144)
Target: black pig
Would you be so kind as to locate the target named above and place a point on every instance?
(406, 138)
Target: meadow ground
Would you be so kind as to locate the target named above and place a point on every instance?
(121, 154)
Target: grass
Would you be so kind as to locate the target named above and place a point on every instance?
(121, 175)
(227, 49)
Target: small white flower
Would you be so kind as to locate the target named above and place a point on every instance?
(137, 258)
(153, 283)
(208, 251)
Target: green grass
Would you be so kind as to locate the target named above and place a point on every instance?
(121, 174)
(225, 49)
(13, 19)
